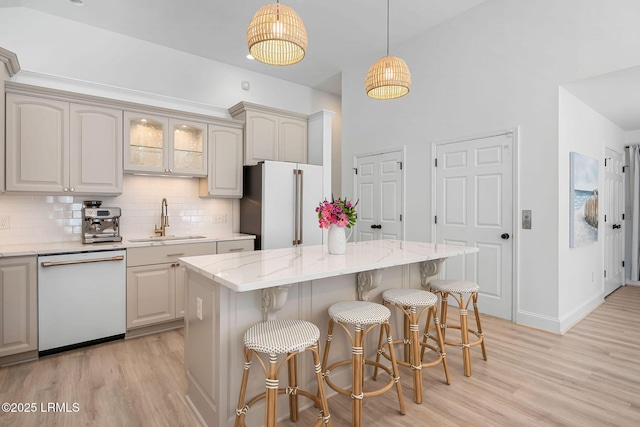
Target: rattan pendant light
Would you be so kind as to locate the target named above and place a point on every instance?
(276, 35)
(389, 76)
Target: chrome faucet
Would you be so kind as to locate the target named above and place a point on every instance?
(164, 219)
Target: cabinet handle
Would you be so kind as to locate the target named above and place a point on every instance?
(65, 189)
(171, 170)
(236, 249)
(81, 261)
(73, 189)
(180, 254)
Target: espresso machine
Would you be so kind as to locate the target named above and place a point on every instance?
(100, 224)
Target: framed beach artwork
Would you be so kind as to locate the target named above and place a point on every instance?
(583, 217)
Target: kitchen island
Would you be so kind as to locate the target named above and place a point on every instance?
(228, 293)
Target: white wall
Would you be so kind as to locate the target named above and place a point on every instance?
(66, 55)
(581, 281)
(632, 137)
(497, 66)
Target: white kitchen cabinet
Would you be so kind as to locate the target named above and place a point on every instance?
(272, 134)
(54, 146)
(18, 305)
(151, 294)
(156, 280)
(162, 145)
(225, 163)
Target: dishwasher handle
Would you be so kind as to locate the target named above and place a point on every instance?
(81, 261)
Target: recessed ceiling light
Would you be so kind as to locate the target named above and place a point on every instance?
(249, 56)
(77, 2)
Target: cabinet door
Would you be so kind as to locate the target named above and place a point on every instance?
(292, 140)
(261, 139)
(18, 306)
(188, 153)
(95, 150)
(37, 144)
(151, 295)
(145, 142)
(225, 163)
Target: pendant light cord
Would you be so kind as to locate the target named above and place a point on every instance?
(388, 27)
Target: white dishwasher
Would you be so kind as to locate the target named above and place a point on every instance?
(81, 299)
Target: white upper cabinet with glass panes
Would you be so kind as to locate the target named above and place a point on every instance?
(165, 146)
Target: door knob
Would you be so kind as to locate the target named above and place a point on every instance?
(504, 236)
(378, 226)
(616, 226)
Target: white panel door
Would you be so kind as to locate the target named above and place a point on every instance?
(379, 194)
(613, 221)
(474, 208)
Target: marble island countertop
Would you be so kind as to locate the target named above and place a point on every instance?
(30, 249)
(250, 271)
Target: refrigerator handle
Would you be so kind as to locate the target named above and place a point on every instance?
(300, 205)
(296, 208)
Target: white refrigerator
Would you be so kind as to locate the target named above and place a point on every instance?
(279, 202)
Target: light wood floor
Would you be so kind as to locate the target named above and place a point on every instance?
(588, 377)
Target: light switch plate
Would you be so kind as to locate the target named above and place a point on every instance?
(199, 308)
(526, 219)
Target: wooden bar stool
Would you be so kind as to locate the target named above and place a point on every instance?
(408, 301)
(276, 337)
(458, 289)
(364, 316)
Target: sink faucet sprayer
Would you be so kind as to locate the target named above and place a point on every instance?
(164, 219)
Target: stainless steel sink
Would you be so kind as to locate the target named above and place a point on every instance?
(165, 238)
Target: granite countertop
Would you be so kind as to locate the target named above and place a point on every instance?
(28, 249)
(248, 271)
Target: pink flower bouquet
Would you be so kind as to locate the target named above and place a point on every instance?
(340, 212)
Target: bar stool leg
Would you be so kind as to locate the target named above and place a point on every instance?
(416, 360)
(293, 385)
(407, 338)
(434, 311)
(443, 314)
(325, 355)
(481, 335)
(271, 398)
(394, 366)
(321, 392)
(464, 333)
(378, 354)
(241, 409)
(357, 376)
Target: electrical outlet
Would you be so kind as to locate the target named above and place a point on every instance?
(220, 217)
(4, 222)
(526, 220)
(199, 307)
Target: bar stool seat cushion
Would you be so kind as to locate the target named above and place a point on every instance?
(410, 297)
(281, 336)
(359, 312)
(454, 286)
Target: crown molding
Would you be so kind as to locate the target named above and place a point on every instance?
(10, 60)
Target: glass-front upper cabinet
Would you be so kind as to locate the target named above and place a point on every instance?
(188, 140)
(161, 145)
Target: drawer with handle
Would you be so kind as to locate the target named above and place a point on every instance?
(167, 253)
(231, 246)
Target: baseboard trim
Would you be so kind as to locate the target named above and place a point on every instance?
(152, 329)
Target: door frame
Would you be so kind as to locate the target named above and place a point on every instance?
(403, 195)
(515, 135)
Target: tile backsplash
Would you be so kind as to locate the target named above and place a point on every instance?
(48, 219)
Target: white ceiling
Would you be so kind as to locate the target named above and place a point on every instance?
(615, 95)
(216, 29)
